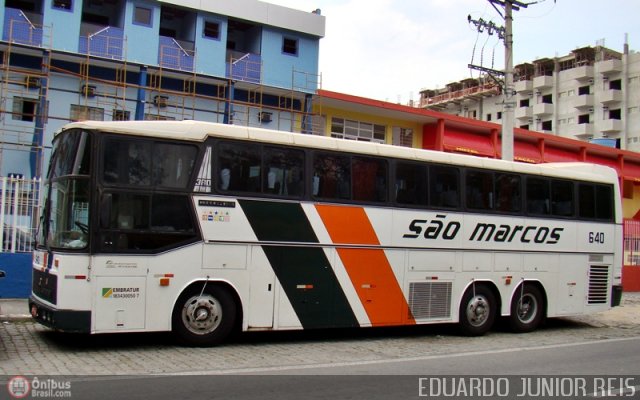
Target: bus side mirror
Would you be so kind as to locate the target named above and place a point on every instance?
(105, 210)
(2, 274)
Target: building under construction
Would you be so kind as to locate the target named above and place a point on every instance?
(590, 94)
(242, 62)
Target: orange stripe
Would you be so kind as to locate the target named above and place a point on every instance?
(368, 269)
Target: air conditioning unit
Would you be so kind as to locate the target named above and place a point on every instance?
(264, 116)
(161, 101)
(88, 90)
(32, 82)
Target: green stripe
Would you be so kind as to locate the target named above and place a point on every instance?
(323, 305)
(278, 222)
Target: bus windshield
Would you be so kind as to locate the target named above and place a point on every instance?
(65, 221)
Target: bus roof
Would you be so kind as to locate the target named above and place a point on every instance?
(199, 131)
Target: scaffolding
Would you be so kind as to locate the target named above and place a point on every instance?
(23, 91)
(105, 90)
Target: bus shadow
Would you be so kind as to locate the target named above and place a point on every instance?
(145, 340)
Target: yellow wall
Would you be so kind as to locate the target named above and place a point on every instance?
(329, 113)
(630, 207)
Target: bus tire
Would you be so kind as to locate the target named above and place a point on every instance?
(478, 310)
(527, 309)
(204, 319)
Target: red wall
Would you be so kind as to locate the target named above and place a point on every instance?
(631, 278)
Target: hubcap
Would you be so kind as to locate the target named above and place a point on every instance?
(527, 308)
(202, 314)
(478, 310)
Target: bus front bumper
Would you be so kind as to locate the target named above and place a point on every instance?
(63, 320)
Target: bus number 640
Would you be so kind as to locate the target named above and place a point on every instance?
(596, 237)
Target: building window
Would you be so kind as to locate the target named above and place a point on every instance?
(615, 114)
(489, 117)
(121, 115)
(547, 99)
(290, 46)
(584, 90)
(583, 119)
(63, 4)
(24, 109)
(616, 84)
(547, 125)
(524, 103)
(499, 115)
(526, 126)
(356, 130)
(402, 136)
(211, 30)
(84, 113)
(142, 16)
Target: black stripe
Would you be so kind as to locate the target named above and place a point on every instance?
(323, 302)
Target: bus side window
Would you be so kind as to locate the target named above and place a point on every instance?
(411, 184)
(173, 164)
(587, 201)
(369, 179)
(445, 187)
(508, 193)
(604, 202)
(243, 161)
(562, 203)
(538, 197)
(332, 176)
(284, 171)
(479, 190)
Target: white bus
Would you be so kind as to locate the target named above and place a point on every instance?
(202, 228)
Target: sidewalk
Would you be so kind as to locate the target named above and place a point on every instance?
(14, 310)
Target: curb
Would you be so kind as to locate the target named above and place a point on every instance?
(14, 318)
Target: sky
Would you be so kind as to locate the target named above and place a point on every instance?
(390, 50)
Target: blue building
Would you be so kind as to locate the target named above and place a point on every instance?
(241, 62)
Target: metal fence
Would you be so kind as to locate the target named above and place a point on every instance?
(631, 242)
(19, 213)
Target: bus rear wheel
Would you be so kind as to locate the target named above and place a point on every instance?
(204, 318)
(526, 309)
(477, 310)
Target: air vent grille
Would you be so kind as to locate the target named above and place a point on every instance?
(598, 284)
(430, 300)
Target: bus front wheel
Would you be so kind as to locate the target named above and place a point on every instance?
(477, 310)
(204, 317)
(526, 309)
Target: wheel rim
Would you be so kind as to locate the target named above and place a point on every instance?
(202, 314)
(478, 310)
(527, 308)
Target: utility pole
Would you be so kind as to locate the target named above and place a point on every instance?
(508, 110)
(506, 34)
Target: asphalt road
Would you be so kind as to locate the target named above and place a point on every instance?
(505, 373)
